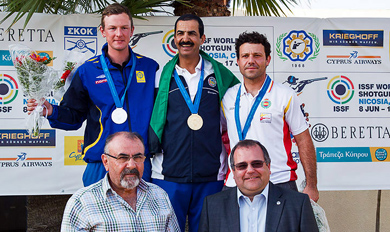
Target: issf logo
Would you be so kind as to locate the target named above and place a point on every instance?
(8, 89)
(340, 89)
(168, 43)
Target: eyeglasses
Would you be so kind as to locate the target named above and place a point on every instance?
(244, 165)
(123, 158)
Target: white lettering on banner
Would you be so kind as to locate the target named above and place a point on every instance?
(331, 155)
(80, 31)
(350, 154)
(347, 36)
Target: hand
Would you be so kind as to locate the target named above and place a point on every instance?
(312, 192)
(47, 107)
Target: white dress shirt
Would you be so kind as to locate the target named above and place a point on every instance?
(253, 213)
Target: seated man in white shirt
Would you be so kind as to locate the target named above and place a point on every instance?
(121, 201)
(256, 204)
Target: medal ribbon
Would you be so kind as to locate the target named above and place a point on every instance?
(194, 107)
(259, 97)
(114, 93)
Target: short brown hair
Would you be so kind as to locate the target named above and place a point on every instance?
(115, 9)
(253, 38)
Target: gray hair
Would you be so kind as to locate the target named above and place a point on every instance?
(129, 135)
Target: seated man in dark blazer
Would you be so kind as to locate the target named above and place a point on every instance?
(256, 204)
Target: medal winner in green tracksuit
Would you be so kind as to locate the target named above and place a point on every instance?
(185, 124)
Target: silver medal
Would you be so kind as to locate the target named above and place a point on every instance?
(119, 116)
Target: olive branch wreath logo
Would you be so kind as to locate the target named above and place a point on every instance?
(278, 43)
(316, 50)
(317, 43)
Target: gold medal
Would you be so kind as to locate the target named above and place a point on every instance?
(195, 122)
(119, 116)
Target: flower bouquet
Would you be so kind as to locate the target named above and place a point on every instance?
(319, 212)
(72, 60)
(36, 78)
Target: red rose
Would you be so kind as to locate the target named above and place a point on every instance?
(65, 75)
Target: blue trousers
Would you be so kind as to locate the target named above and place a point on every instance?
(187, 199)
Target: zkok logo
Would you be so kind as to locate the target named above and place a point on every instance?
(81, 39)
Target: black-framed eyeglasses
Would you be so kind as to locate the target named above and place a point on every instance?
(244, 165)
(123, 158)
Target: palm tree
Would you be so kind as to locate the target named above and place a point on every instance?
(141, 8)
(208, 8)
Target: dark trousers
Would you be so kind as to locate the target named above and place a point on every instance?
(290, 185)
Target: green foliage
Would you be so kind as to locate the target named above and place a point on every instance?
(264, 7)
(138, 8)
(28, 7)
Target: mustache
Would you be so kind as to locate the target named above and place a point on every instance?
(181, 43)
(130, 171)
(251, 65)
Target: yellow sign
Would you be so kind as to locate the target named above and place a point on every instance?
(73, 146)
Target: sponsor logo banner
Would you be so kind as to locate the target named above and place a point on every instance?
(353, 58)
(353, 38)
(81, 39)
(21, 138)
(5, 58)
(352, 154)
(297, 46)
(73, 148)
(24, 160)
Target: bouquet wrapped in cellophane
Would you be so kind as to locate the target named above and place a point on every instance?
(36, 79)
(72, 60)
(319, 212)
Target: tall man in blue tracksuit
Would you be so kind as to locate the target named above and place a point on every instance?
(185, 124)
(113, 92)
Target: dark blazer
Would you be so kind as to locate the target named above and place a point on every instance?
(287, 211)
